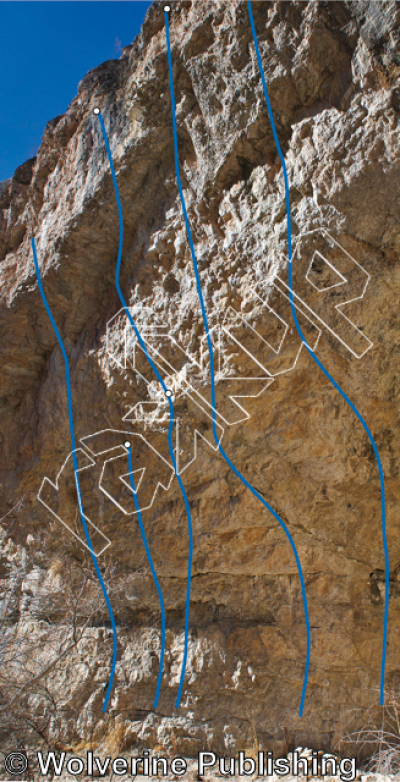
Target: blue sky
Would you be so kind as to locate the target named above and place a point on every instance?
(46, 48)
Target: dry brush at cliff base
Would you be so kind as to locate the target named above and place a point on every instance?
(333, 77)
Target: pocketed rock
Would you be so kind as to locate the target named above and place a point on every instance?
(332, 71)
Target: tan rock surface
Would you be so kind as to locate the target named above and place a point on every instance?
(333, 76)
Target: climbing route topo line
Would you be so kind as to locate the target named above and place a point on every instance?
(318, 362)
(212, 372)
(153, 573)
(168, 396)
(75, 461)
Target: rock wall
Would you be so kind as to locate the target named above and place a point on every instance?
(332, 70)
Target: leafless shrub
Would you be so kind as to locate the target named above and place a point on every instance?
(51, 612)
(377, 743)
(59, 614)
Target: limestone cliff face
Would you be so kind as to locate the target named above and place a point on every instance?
(332, 70)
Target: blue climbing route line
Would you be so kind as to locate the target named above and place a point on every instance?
(318, 362)
(78, 488)
(153, 573)
(212, 373)
(171, 409)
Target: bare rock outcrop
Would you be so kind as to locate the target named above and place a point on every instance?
(332, 70)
